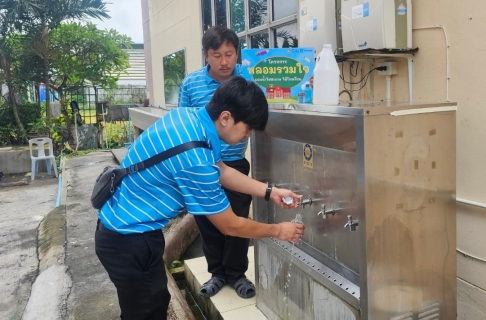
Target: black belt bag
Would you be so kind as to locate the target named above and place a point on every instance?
(112, 176)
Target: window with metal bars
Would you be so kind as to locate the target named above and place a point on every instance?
(258, 23)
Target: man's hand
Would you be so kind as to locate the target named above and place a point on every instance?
(290, 231)
(277, 194)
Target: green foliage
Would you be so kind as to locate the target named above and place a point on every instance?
(174, 68)
(84, 53)
(9, 135)
(35, 124)
(174, 73)
(44, 126)
(117, 135)
(34, 42)
(19, 20)
(9, 131)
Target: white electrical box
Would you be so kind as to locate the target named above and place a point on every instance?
(391, 68)
(317, 23)
(376, 24)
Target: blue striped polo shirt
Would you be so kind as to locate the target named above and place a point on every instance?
(149, 199)
(196, 91)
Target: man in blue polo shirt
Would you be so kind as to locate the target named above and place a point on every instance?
(227, 256)
(128, 239)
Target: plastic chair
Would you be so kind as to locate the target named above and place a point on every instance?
(41, 155)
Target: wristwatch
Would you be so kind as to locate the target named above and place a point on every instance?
(268, 191)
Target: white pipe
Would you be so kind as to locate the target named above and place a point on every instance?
(477, 204)
(409, 57)
(388, 89)
(410, 77)
(447, 54)
(469, 255)
(76, 128)
(59, 183)
(472, 203)
(104, 124)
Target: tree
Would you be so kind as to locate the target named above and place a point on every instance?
(49, 14)
(38, 16)
(82, 53)
(13, 14)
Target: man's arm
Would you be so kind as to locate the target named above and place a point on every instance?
(184, 99)
(230, 224)
(237, 181)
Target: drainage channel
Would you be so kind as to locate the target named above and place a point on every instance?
(193, 251)
(186, 293)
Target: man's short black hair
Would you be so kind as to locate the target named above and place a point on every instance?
(245, 101)
(215, 36)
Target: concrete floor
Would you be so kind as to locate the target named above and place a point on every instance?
(226, 304)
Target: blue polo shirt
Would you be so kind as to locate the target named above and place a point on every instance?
(196, 91)
(149, 199)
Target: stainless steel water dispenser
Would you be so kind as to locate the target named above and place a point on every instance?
(379, 184)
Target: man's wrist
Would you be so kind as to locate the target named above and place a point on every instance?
(277, 229)
(268, 191)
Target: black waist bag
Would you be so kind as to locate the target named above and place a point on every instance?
(112, 176)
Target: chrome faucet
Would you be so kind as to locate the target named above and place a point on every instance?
(303, 202)
(325, 212)
(352, 224)
(333, 210)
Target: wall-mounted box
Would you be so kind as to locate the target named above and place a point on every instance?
(391, 68)
(376, 24)
(317, 23)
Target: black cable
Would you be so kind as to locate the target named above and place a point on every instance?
(351, 69)
(377, 68)
(364, 84)
(342, 78)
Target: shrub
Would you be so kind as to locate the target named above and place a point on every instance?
(9, 131)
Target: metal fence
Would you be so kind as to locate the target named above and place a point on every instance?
(87, 97)
(94, 103)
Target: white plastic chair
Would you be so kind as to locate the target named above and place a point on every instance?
(41, 155)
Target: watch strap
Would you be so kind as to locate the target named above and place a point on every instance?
(268, 191)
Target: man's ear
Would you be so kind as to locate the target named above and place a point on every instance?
(224, 118)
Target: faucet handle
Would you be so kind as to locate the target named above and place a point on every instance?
(323, 211)
(348, 224)
(303, 202)
(352, 224)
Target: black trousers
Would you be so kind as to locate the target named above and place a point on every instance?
(135, 265)
(227, 256)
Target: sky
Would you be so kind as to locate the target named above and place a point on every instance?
(126, 18)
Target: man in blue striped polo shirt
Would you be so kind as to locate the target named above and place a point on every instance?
(128, 239)
(227, 256)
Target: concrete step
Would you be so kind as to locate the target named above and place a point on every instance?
(226, 305)
(119, 154)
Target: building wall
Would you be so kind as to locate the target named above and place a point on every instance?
(147, 49)
(465, 25)
(176, 24)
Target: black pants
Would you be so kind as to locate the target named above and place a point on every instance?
(135, 265)
(227, 256)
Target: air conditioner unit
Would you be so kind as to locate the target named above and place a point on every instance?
(376, 24)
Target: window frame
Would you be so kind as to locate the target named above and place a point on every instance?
(184, 50)
(269, 27)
